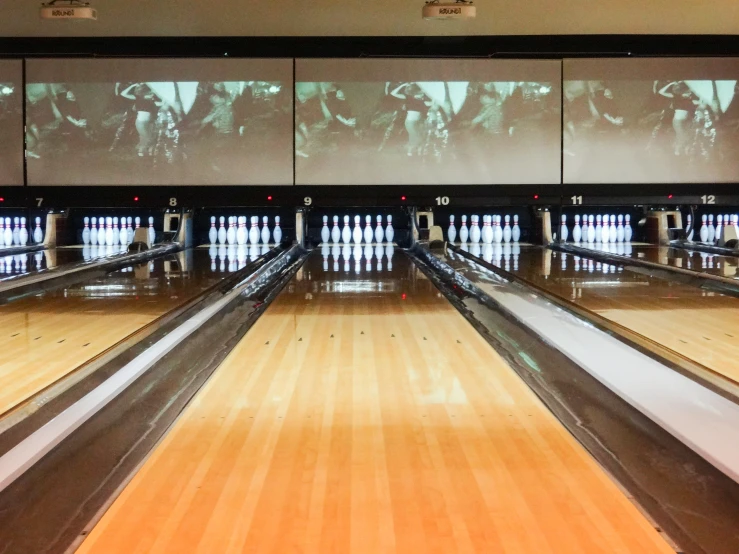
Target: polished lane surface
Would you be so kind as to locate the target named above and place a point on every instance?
(698, 324)
(692, 260)
(363, 413)
(13, 265)
(47, 336)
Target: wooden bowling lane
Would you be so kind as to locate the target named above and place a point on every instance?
(354, 418)
(44, 338)
(697, 324)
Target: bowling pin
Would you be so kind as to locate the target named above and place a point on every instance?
(335, 231)
(86, 232)
(123, 233)
(346, 232)
(628, 232)
(38, 234)
(690, 227)
(129, 230)
(612, 232)
(719, 225)
(152, 233)
(516, 230)
(8, 236)
(277, 233)
(591, 230)
(474, 229)
(116, 232)
(325, 233)
(108, 231)
(389, 236)
(497, 230)
(703, 233)
(451, 233)
(357, 232)
(266, 232)
(231, 232)
(241, 234)
(563, 233)
(379, 233)
(464, 233)
(507, 230)
(711, 229)
(254, 230)
(16, 231)
(368, 234)
(221, 230)
(598, 229)
(576, 230)
(620, 229)
(213, 238)
(487, 230)
(23, 235)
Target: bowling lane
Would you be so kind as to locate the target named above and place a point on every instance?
(363, 413)
(45, 337)
(27, 263)
(698, 324)
(702, 262)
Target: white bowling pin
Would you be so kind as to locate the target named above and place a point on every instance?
(591, 229)
(231, 232)
(368, 234)
(563, 233)
(8, 233)
(346, 232)
(23, 235)
(116, 232)
(516, 230)
(711, 229)
(335, 231)
(474, 229)
(389, 236)
(38, 234)
(16, 231)
(703, 233)
(92, 237)
(451, 233)
(265, 230)
(357, 232)
(576, 230)
(213, 237)
(325, 233)
(86, 232)
(101, 231)
(221, 230)
(497, 230)
(464, 233)
(507, 230)
(129, 230)
(123, 233)
(719, 225)
(241, 232)
(254, 230)
(379, 233)
(108, 231)
(628, 232)
(598, 229)
(690, 226)
(277, 233)
(612, 232)
(620, 229)
(152, 233)
(487, 230)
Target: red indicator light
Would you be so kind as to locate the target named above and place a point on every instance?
(2, 199)
(402, 198)
(669, 196)
(402, 296)
(269, 198)
(536, 197)
(135, 198)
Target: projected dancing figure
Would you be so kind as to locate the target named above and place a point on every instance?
(146, 108)
(416, 109)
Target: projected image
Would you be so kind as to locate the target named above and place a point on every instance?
(456, 132)
(11, 134)
(157, 132)
(651, 131)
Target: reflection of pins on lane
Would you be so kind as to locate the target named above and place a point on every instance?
(213, 234)
(379, 233)
(464, 233)
(221, 230)
(335, 231)
(368, 234)
(222, 257)
(346, 253)
(213, 253)
(346, 232)
(335, 253)
(253, 252)
(357, 232)
(379, 253)
(368, 253)
(487, 252)
(389, 251)
(451, 233)
(325, 249)
(475, 249)
(325, 233)
(507, 256)
(86, 232)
